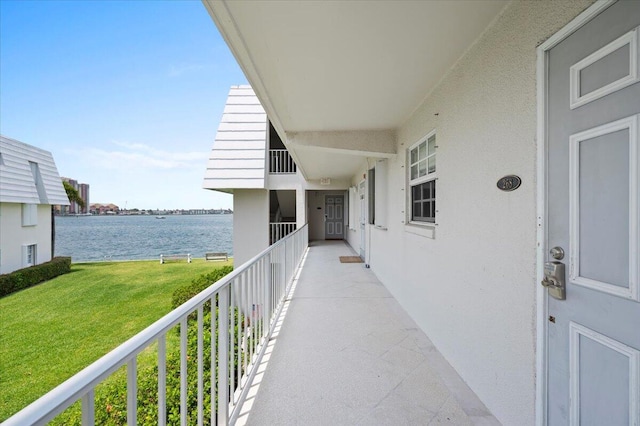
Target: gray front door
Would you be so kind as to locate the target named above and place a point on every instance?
(334, 217)
(593, 202)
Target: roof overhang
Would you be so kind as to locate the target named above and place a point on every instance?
(347, 71)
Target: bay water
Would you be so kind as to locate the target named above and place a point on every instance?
(92, 238)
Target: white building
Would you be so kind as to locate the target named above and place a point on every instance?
(29, 185)
(388, 101)
(271, 197)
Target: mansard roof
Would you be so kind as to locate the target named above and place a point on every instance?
(29, 175)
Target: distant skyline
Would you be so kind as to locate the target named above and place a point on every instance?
(127, 95)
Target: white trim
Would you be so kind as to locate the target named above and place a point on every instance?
(433, 176)
(429, 176)
(631, 39)
(632, 292)
(575, 331)
(541, 194)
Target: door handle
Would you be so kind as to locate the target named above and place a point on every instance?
(554, 280)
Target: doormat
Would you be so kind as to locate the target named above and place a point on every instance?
(350, 259)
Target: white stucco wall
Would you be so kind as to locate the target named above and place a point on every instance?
(250, 223)
(472, 286)
(13, 236)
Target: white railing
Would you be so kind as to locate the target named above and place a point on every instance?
(281, 162)
(243, 307)
(279, 230)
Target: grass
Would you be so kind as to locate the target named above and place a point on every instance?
(51, 331)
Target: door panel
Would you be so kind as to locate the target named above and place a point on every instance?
(592, 213)
(334, 217)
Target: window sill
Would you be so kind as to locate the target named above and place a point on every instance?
(382, 228)
(421, 229)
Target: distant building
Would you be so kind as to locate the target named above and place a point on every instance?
(83, 189)
(74, 208)
(98, 208)
(30, 185)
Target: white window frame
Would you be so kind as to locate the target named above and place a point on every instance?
(29, 250)
(428, 177)
(29, 214)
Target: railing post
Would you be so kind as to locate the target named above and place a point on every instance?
(162, 380)
(183, 370)
(88, 409)
(132, 392)
(200, 357)
(223, 356)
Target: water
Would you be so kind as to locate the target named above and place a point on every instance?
(142, 237)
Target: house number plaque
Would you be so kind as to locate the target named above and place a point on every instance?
(509, 183)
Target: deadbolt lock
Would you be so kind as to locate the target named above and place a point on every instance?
(554, 280)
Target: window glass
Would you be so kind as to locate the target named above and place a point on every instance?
(422, 169)
(422, 180)
(432, 145)
(423, 151)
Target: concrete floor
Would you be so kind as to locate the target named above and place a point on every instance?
(346, 353)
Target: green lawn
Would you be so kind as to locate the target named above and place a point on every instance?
(51, 331)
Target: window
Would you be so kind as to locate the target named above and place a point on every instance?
(381, 201)
(422, 179)
(371, 185)
(37, 180)
(29, 253)
(29, 214)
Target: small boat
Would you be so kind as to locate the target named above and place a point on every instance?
(160, 217)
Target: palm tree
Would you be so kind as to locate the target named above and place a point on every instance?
(74, 196)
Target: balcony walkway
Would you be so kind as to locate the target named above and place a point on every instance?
(346, 353)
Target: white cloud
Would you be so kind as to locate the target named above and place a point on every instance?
(178, 70)
(140, 156)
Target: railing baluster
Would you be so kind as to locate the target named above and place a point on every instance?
(162, 380)
(269, 282)
(214, 357)
(281, 162)
(247, 302)
(242, 311)
(261, 281)
(239, 322)
(88, 409)
(183, 371)
(231, 335)
(200, 367)
(223, 355)
(132, 391)
(254, 311)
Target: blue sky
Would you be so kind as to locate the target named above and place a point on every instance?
(127, 95)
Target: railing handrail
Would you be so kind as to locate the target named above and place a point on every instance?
(58, 399)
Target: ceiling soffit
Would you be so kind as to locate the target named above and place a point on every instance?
(321, 68)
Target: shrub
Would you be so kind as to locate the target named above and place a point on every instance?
(186, 292)
(111, 396)
(28, 277)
